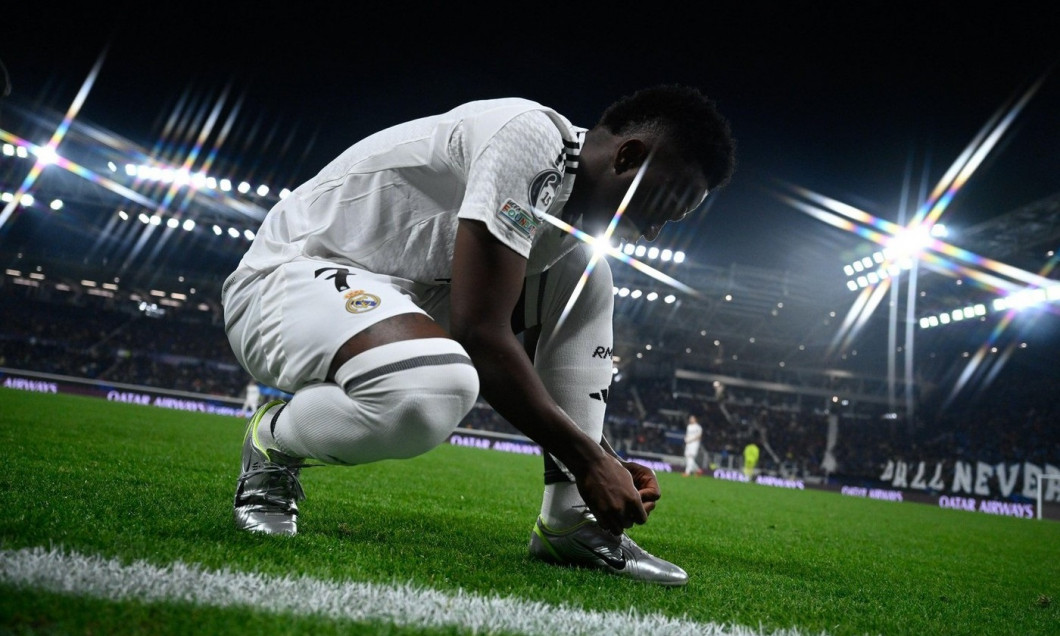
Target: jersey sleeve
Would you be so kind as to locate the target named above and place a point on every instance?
(513, 178)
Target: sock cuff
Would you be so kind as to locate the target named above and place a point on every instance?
(399, 356)
(554, 473)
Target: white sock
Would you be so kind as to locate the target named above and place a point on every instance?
(573, 360)
(562, 506)
(400, 400)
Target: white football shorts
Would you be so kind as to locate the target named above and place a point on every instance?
(286, 326)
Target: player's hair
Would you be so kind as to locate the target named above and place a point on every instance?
(687, 119)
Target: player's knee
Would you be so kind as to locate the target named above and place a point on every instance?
(413, 394)
(428, 406)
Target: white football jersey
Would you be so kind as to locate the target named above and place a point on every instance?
(391, 202)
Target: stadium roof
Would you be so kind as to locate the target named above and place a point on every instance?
(822, 106)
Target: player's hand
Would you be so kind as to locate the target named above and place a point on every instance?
(646, 484)
(610, 493)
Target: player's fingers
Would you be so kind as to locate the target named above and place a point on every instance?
(650, 486)
(648, 507)
(649, 495)
(637, 514)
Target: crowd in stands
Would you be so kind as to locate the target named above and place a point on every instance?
(1013, 420)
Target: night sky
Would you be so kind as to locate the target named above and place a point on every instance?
(842, 98)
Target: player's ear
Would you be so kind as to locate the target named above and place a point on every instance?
(630, 155)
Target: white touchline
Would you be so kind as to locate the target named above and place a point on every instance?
(402, 605)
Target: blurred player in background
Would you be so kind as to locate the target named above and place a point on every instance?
(750, 459)
(418, 269)
(252, 398)
(693, 436)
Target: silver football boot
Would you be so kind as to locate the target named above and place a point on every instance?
(588, 545)
(267, 491)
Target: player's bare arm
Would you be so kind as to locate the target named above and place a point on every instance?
(487, 281)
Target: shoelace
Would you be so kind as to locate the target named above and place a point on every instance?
(280, 477)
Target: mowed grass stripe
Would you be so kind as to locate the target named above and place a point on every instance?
(135, 483)
(55, 571)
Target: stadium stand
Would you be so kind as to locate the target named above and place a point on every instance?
(92, 338)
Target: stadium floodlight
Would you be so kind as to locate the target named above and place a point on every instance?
(243, 187)
(56, 204)
(27, 200)
(640, 251)
(863, 281)
(88, 283)
(944, 319)
(156, 220)
(653, 253)
(666, 255)
(130, 170)
(217, 230)
(670, 298)
(848, 270)
(284, 193)
(249, 235)
(123, 215)
(211, 183)
(262, 190)
(909, 242)
(189, 225)
(636, 293)
(21, 152)
(225, 184)
(233, 232)
(144, 218)
(112, 166)
(7, 197)
(9, 150)
(652, 296)
(172, 223)
(925, 323)
(622, 293)
(679, 257)
(858, 266)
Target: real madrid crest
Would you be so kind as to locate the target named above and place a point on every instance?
(360, 301)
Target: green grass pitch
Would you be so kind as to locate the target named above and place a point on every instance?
(133, 483)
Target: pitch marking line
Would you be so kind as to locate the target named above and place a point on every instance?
(402, 605)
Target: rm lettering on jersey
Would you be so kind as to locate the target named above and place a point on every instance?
(602, 352)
